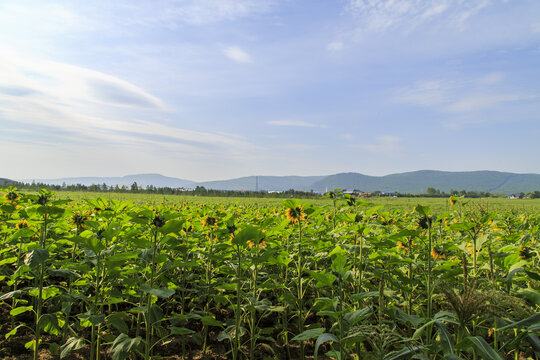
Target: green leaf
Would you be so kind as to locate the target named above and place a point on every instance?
(325, 337)
(530, 295)
(13, 332)
(30, 345)
(20, 310)
(403, 353)
(308, 334)
(11, 294)
(323, 279)
(354, 316)
(422, 210)
(446, 340)
(9, 260)
(36, 257)
(462, 226)
(181, 331)
(123, 345)
(49, 323)
(481, 346)
(171, 226)
(159, 292)
(248, 234)
(210, 321)
(534, 319)
(117, 321)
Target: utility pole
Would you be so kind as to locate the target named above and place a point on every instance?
(256, 184)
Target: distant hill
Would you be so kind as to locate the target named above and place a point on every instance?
(141, 179)
(415, 182)
(4, 181)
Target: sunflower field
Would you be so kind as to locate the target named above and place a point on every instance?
(110, 279)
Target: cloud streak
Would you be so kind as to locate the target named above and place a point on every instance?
(384, 15)
(294, 123)
(384, 144)
(237, 54)
(85, 106)
(461, 95)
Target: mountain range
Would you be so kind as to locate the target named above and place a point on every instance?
(415, 182)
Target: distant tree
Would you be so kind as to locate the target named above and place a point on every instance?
(534, 195)
(134, 187)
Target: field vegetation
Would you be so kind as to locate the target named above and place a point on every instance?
(140, 276)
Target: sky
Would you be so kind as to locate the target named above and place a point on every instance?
(218, 89)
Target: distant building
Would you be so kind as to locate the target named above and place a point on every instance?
(389, 193)
(354, 192)
(515, 196)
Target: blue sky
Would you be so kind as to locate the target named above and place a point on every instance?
(216, 89)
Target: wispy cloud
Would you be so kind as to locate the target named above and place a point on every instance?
(335, 46)
(296, 123)
(383, 144)
(461, 95)
(86, 106)
(237, 54)
(383, 15)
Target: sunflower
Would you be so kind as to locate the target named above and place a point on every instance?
(11, 196)
(23, 224)
(209, 221)
(401, 246)
(78, 219)
(296, 214)
(158, 221)
(436, 254)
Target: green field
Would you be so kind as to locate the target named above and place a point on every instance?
(437, 205)
(137, 276)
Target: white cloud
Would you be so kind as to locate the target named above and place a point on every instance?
(295, 123)
(384, 144)
(80, 105)
(477, 102)
(461, 95)
(335, 46)
(384, 15)
(237, 54)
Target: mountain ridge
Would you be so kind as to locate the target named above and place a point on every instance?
(413, 182)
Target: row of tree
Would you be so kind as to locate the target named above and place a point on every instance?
(202, 191)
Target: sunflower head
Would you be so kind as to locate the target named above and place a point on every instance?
(437, 254)
(295, 214)
(158, 221)
(11, 196)
(78, 219)
(401, 246)
(23, 224)
(209, 221)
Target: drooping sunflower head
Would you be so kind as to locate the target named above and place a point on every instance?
(158, 221)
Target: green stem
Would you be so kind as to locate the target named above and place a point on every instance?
(300, 289)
